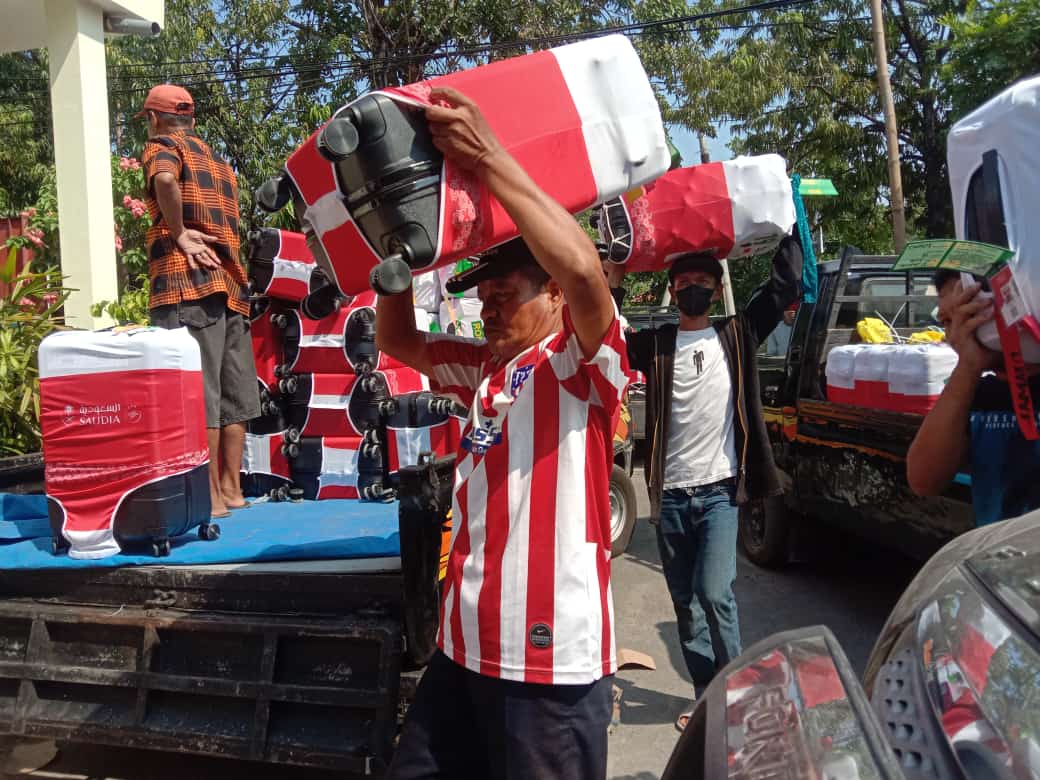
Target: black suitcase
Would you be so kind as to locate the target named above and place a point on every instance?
(387, 165)
(312, 474)
(370, 403)
(278, 265)
(355, 328)
(152, 515)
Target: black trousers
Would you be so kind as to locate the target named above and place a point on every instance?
(466, 725)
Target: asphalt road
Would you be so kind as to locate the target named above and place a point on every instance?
(851, 590)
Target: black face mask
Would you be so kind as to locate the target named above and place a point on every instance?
(694, 300)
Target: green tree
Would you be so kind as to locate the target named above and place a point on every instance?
(26, 148)
(801, 82)
(233, 56)
(994, 44)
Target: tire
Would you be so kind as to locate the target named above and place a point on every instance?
(765, 530)
(623, 510)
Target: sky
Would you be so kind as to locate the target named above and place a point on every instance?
(690, 150)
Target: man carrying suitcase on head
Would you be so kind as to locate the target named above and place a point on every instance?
(521, 684)
(709, 449)
(196, 278)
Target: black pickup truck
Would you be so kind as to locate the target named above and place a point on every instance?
(846, 465)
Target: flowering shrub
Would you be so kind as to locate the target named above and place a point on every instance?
(131, 222)
(28, 313)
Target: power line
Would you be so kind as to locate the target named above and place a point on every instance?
(488, 48)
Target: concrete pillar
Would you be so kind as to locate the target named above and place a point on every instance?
(82, 151)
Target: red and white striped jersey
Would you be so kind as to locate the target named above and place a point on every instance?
(527, 594)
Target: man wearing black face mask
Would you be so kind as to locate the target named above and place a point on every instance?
(709, 450)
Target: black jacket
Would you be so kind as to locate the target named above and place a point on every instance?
(653, 353)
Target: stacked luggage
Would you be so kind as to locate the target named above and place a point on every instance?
(339, 418)
(895, 377)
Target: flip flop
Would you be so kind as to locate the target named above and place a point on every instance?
(683, 720)
(221, 516)
(246, 505)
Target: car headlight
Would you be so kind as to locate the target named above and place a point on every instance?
(959, 695)
(789, 707)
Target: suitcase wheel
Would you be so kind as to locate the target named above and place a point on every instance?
(288, 385)
(161, 548)
(278, 493)
(280, 321)
(274, 194)
(338, 140)
(389, 407)
(292, 436)
(296, 494)
(393, 275)
(441, 406)
(209, 532)
(290, 450)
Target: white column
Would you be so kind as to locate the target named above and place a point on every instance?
(82, 152)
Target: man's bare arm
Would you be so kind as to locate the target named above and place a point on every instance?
(396, 334)
(554, 237)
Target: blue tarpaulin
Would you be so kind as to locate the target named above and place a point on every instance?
(282, 531)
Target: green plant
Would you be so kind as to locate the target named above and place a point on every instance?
(28, 313)
(131, 307)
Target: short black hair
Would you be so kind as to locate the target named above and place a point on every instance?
(174, 120)
(696, 261)
(943, 276)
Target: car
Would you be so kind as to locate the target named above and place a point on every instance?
(951, 689)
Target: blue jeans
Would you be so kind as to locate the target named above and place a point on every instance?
(697, 537)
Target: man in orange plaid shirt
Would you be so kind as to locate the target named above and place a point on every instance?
(196, 278)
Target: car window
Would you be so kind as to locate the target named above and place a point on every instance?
(919, 314)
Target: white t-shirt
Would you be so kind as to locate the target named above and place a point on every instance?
(701, 448)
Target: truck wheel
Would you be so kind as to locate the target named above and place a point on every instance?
(764, 528)
(622, 510)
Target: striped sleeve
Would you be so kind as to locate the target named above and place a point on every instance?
(457, 365)
(158, 158)
(601, 379)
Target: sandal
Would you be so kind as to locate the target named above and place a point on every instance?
(683, 720)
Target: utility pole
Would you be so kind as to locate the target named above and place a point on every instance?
(895, 178)
(727, 288)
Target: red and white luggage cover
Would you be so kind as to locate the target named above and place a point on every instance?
(997, 148)
(581, 119)
(896, 377)
(406, 444)
(118, 410)
(338, 405)
(337, 467)
(291, 265)
(733, 209)
(331, 345)
(267, 343)
(263, 454)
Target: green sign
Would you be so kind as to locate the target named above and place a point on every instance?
(972, 257)
(820, 188)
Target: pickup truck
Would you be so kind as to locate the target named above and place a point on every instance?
(308, 663)
(843, 465)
